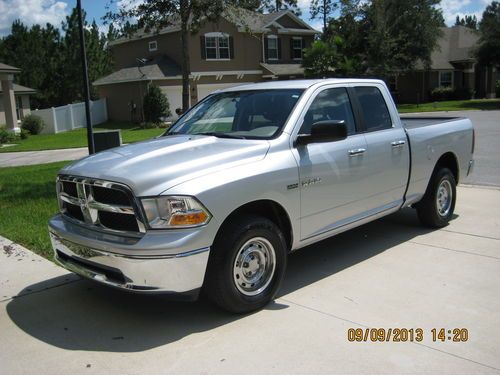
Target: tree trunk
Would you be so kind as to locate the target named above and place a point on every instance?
(185, 67)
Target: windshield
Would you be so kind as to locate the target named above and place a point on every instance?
(259, 114)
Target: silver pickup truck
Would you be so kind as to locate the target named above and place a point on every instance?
(247, 176)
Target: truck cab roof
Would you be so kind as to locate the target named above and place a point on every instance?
(296, 84)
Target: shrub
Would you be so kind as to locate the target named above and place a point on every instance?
(33, 124)
(155, 105)
(441, 93)
(463, 93)
(448, 93)
(6, 136)
(24, 134)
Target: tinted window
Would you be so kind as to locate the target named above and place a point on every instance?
(258, 114)
(375, 113)
(329, 104)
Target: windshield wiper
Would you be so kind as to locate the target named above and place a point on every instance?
(221, 135)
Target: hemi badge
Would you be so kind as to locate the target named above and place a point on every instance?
(292, 186)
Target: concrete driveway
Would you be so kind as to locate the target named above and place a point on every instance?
(388, 274)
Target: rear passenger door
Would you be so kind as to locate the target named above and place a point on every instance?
(387, 153)
(333, 176)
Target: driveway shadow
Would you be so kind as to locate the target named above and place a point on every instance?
(84, 316)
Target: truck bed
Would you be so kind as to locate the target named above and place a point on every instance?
(418, 122)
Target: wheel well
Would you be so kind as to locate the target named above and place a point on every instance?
(449, 161)
(270, 210)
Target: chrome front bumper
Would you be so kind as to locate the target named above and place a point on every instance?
(179, 273)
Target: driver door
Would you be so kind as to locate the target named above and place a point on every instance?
(333, 175)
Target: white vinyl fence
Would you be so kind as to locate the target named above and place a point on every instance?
(71, 116)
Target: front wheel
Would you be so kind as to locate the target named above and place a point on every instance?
(436, 207)
(247, 264)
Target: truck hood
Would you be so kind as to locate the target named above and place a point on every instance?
(151, 167)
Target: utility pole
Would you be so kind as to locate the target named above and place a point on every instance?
(90, 133)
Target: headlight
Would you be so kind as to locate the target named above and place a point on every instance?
(174, 212)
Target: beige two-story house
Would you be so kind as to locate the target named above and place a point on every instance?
(242, 47)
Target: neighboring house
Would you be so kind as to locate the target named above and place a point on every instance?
(14, 98)
(452, 65)
(242, 47)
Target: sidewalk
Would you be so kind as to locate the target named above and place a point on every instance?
(15, 159)
(391, 273)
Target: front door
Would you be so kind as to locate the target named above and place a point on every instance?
(333, 175)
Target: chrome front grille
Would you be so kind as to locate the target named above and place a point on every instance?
(101, 204)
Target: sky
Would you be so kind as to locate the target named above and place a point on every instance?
(54, 11)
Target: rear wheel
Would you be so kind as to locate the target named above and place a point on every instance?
(247, 264)
(438, 204)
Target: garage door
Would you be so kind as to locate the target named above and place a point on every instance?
(174, 96)
(204, 90)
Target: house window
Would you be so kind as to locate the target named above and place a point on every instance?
(446, 79)
(217, 46)
(297, 48)
(153, 46)
(272, 47)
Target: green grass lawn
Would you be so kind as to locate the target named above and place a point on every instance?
(27, 201)
(78, 138)
(454, 105)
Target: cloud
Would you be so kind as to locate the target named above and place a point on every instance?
(31, 12)
(453, 8)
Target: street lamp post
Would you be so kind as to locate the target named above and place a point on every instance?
(90, 133)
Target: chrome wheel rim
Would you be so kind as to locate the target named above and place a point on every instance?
(444, 198)
(254, 266)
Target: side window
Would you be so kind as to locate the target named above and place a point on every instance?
(329, 104)
(372, 104)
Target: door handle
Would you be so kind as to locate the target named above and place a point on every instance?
(356, 151)
(397, 144)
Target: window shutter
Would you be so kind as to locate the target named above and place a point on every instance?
(279, 48)
(231, 48)
(202, 46)
(266, 46)
(291, 48)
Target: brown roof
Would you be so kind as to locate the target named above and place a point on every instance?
(159, 68)
(244, 18)
(18, 89)
(4, 68)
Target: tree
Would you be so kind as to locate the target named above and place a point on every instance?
(488, 51)
(50, 63)
(277, 5)
(36, 51)
(155, 105)
(98, 56)
(323, 9)
(399, 34)
(467, 21)
(325, 59)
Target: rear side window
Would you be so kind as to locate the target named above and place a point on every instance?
(329, 104)
(373, 108)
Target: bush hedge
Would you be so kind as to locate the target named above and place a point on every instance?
(33, 124)
(448, 93)
(155, 105)
(6, 136)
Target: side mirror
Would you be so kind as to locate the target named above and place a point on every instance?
(324, 131)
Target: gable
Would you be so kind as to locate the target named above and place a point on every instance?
(287, 22)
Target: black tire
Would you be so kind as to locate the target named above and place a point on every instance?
(220, 280)
(427, 209)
